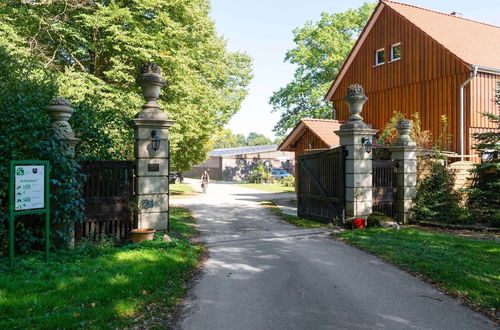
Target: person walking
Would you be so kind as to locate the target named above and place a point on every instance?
(205, 179)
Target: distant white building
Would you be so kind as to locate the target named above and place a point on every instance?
(234, 164)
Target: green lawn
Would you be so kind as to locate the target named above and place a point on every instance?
(294, 220)
(181, 190)
(100, 287)
(464, 267)
(271, 187)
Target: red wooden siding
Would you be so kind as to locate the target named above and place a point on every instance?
(426, 79)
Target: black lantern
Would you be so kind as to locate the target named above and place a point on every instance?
(155, 140)
(367, 143)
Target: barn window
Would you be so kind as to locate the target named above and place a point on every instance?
(379, 56)
(395, 52)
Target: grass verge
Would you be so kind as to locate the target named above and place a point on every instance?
(100, 286)
(270, 187)
(181, 190)
(466, 268)
(294, 220)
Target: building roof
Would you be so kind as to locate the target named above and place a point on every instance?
(473, 42)
(243, 150)
(323, 128)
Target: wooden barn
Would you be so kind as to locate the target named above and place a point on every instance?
(234, 164)
(411, 59)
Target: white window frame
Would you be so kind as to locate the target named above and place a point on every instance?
(392, 47)
(377, 63)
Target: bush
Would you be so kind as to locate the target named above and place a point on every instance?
(259, 174)
(376, 218)
(436, 200)
(288, 181)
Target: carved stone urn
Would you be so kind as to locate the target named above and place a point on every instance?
(151, 83)
(60, 110)
(404, 128)
(355, 99)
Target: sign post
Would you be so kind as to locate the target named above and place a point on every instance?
(29, 194)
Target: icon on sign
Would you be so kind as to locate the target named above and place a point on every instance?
(20, 171)
(18, 187)
(35, 170)
(19, 201)
(19, 193)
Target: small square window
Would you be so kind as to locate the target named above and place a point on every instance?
(395, 52)
(379, 56)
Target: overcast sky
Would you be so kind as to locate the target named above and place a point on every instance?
(263, 29)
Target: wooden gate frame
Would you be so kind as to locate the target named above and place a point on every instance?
(340, 200)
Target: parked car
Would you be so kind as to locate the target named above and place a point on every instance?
(279, 173)
(175, 177)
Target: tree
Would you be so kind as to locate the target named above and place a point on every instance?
(484, 193)
(95, 47)
(256, 139)
(322, 48)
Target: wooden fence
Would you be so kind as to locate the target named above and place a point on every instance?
(108, 190)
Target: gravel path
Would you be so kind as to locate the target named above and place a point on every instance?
(263, 273)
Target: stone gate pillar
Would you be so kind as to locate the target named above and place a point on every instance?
(151, 151)
(356, 137)
(60, 110)
(404, 152)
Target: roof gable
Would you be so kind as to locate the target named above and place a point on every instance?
(324, 129)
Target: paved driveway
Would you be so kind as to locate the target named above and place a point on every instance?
(263, 273)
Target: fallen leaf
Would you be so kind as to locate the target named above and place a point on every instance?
(76, 314)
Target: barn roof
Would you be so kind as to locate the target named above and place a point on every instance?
(323, 128)
(475, 43)
(243, 150)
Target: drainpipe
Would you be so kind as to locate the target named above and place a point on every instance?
(472, 75)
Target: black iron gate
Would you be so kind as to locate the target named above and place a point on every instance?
(107, 193)
(320, 186)
(384, 187)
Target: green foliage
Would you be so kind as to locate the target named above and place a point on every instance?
(25, 91)
(93, 49)
(466, 267)
(436, 200)
(374, 219)
(226, 139)
(99, 286)
(484, 193)
(288, 181)
(322, 48)
(259, 174)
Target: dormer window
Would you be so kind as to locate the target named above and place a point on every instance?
(396, 52)
(379, 56)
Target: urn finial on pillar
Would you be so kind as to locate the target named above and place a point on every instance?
(355, 99)
(60, 110)
(404, 128)
(151, 83)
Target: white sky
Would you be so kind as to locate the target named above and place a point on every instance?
(263, 29)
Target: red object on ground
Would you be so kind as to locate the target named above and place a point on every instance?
(359, 223)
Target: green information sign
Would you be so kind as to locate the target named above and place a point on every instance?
(29, 194)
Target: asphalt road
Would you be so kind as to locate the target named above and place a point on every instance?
(263, 273)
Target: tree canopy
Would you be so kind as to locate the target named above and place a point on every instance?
(93, 49)
(227, 139)
(321, 50)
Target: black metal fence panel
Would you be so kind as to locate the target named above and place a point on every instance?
(384, 187)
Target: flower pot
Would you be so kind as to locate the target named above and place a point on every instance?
(359, 223)
(142, 234)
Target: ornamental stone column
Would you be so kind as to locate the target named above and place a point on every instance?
(404, 152)
(60, 110)
(151, 151)
(356, 137)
